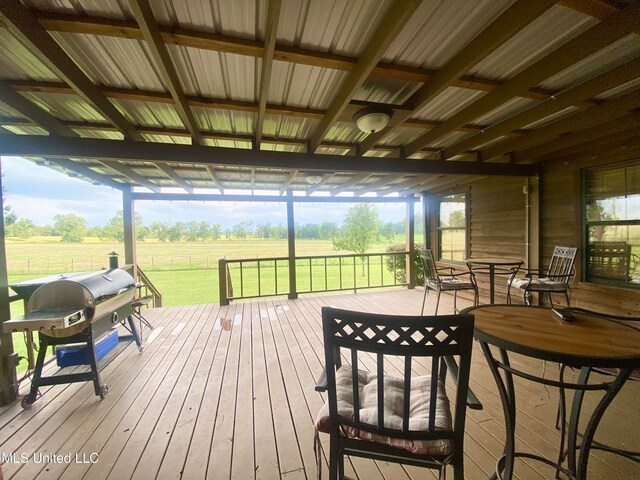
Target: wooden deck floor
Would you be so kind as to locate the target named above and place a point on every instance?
(228, 393)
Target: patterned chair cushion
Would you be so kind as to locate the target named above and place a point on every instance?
(540, 285)
(393, 409)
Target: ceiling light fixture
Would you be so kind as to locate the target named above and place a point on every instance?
(373, 119)
(313, 178)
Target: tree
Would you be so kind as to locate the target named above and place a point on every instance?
(114, 229)
(160, 230)
(23, 228)
(70, 227)
(360, 230)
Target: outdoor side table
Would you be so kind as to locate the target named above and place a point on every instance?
(589, 341)
(490, 266)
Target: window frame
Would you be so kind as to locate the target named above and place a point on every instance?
(439, 229)
(586, 225)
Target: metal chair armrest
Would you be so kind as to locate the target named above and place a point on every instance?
(321, 384)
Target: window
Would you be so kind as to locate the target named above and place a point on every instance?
(612, 224)
(452, 228)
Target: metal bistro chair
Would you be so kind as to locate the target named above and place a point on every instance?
(445, 280)
(402, 419)
(554, 279)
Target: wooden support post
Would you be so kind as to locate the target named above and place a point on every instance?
(8, 379)
(128, 219)
(223, 282)
(426, 220)
(410, 247)
(532, 227)
(291, 240)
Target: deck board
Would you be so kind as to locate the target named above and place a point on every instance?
(228, 392)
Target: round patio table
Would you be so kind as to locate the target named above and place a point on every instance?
(586, 342)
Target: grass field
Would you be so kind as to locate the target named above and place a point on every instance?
(185, 273)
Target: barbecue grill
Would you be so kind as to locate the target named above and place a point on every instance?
(75, 309)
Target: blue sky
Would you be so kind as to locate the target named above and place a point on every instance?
(39, 193)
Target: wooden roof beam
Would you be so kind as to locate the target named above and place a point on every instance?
(288, 181)
(271, 30)
(512, 21)
(577, 96)
(144, 15)
(132, 175)
(216, 179)
(23, 25)
(396, 17)
(60, 22)
(106, 150)
(573, 123)
(610, 30)
(173, 175)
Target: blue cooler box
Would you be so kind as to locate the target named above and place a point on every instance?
(79, 355)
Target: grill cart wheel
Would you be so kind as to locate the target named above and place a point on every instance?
(104, 389)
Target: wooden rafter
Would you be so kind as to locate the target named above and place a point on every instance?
(577, 96)
(384, 181)
(573, 123)
(288, 181)
(22, 24)
(86, 172)
(325, 179)
(33, 112)
(240, 46)
(398, 14)
(132, 175)
(216, 179)
(613, 28)
(271, 30)
(158, 49)
(626, 126)
(109, 150)
(355, 180)
(173, 175)
(513, 20)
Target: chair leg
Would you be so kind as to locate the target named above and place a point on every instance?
(550, 299)
(333, 461)
(566, 295)
(424, 299)
(437, 302)
(455, 301)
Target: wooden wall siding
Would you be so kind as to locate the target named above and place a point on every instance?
(496, 226)
(562, 225)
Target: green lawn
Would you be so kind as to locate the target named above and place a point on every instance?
(187, 273)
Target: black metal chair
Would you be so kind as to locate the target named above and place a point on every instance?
(404, 418)
(554, 279)
(445, 280)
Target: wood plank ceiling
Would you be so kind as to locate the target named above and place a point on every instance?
(261, 94)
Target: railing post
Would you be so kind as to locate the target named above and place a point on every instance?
(291, 241)
(222, 281)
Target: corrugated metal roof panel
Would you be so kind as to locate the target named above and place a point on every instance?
(104, 134)
(344, 132)
(451, 139)
(386, 90)
(215, 74)
(102, 8)
(26, 130)
(303, 86)
(167, 139)
(439, 29)
(282, 148)
(506, 110)
(620, 89)
(149, 114)
(17, 62)
(228, 121)
(289, 127)
(337, 26)
(7, 111)
(115, 62)
(401, 136)
(448, 103)
(622, 51)
(242, 18)
(552, 117)
(549, 31)
(64, 106)
(229, 143)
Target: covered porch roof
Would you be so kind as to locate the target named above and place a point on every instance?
(261, 95)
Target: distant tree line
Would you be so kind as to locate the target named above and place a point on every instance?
(73, 228)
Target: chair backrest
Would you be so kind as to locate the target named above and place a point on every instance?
(561, 264)
(429, 267)
(398, 340)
